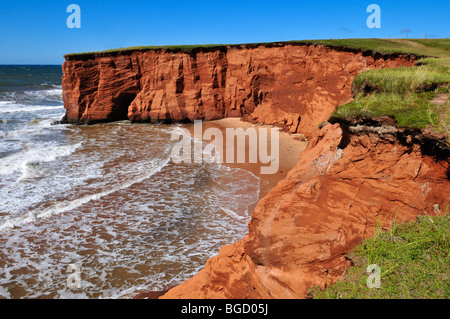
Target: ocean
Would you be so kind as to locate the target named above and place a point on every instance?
(103, 202)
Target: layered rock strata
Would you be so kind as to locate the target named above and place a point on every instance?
(292, 86)
(343, 185)
(352, 176)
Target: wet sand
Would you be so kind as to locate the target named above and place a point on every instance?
(290, 147)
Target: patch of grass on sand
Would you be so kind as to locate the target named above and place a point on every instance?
(414, 261)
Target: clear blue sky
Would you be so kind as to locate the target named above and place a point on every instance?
(35, 32)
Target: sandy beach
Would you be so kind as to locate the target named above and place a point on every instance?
(290, 147)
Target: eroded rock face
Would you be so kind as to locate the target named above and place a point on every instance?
(329, 203)
(342, 185)
(295, 87)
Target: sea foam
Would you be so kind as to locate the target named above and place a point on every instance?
(64, 206)
(29, 156)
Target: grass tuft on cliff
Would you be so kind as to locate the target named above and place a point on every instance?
(414, 261)
(406, 94)
(417, 97)
(402, 80)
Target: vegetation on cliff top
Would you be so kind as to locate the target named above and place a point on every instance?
(383, 46)
(414, 258)
(414, 261)
(417, 97)
(174, 48)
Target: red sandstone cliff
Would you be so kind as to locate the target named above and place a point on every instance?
(330, 202)
(294, 86)
(342, 185)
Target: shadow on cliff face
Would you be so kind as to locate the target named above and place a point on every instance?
(121, 104)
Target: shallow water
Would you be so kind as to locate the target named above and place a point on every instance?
(105, 197)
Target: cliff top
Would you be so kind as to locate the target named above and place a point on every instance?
(416, 97)
(367, 46)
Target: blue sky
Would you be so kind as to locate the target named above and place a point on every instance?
(35, 32)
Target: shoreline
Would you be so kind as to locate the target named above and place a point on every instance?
(290, 148)
(305, 222)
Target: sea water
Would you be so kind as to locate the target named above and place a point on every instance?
(105, 198)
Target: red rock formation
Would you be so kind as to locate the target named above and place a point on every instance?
(330, 202)
(295, 86)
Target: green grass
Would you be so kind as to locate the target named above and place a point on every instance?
(376, 45)
(401, 80)
(173, 48)
(443, 44)
(412, 111)
(183, 48)
(414, 261)
(406, 94)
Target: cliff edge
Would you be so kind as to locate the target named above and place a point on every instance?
(292, 86)
(350, 178)
(343, 185)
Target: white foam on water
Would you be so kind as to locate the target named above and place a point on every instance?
(231, 213)
(73, 204)
(170, 223)
(57, 91)
(4, 293)
(20, 108)
(2, 103)
(67, 294)
(21, 160)
(39, 126)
